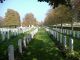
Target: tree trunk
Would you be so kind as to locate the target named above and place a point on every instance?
(61, 37)
(72, 28)
(56, 26)
(61, 26)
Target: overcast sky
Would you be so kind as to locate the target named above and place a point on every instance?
(39, 9)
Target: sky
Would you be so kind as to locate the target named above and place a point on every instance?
(39, 9)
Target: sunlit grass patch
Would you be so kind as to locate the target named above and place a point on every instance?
(42, 48)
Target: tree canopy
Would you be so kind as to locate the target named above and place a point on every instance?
(59, 15)
(12, 18)
(1, 1)
(72, 5)
(1, 21)
(29, 20)
(56, 3)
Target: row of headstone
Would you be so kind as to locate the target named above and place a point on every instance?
(8, 32)
(11, 50)
(24, 29)
(34, 32)
(68, 32)
(27, 39)
(21, 42)
(5, 34)
(61, 38)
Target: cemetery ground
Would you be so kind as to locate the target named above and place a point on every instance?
(42, 47)
(12, 41)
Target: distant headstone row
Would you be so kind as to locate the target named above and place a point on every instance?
(8, 32)
(74, 33)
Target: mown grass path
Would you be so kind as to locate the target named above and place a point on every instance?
(42, 48)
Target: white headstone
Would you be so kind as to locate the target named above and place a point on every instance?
(64, 41)
(73, 33)
(8, 36)
(27, 40)
(71, 44)
(60, 38)
(65, 31)
(11, 52)
(3, 35)
(78, 33)
(57, 36)
(20, 45)
(24, 42)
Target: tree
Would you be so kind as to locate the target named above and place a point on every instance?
(59, 15)
(29, 20)
(1, 21)
(76, 7)
(56, 3)
(1, 1)
(12, 18)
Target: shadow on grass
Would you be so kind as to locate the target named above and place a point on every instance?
(39, 50)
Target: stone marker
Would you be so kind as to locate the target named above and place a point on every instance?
(57, 36)
(32, 35)
(64, 41)
(71, 44)
(8, 36)
(70, 32)
(53, 33)
(60, 38)
(66, 31)
(27, 40)
(24, 42)
(74, 33)
(78, 34)
(11, 52)
(20, 45)
(3, 36)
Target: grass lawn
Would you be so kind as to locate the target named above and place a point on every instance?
(42, 48)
